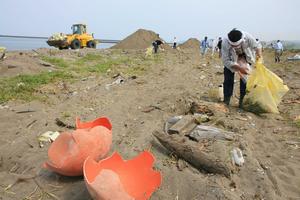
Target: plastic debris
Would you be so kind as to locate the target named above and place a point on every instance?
(295, 57)
(49, 136)
(115, 178)
(237, 157)
(68, 152)
(4, 106)
(118, 81)
(208, 132)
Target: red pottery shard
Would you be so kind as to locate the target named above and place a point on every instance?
(101, 121)
(114, 178)
(68, 152)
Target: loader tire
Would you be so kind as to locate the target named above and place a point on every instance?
(75, 44)
(91, 44)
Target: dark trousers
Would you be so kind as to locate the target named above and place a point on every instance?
(229, 83)
(174, 45)
(155, 47)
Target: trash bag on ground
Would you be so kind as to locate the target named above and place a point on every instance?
(68, 152)
(264, 91)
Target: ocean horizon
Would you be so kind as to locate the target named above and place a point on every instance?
(15, 44)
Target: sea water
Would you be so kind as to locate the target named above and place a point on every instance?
(12, 44)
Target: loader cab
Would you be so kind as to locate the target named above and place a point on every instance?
(79, 29)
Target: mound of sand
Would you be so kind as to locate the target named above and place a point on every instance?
(191, 44)
(141, 39)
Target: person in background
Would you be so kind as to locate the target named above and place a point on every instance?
(204, 45)
(219, 45)
(239, 51)
(214, 43)
(156, 44)
(259, 44)
(278, 50)
(174, 43)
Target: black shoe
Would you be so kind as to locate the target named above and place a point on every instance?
(241, 102)
(227, 100)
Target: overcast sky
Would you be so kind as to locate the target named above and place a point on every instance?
(116, 19)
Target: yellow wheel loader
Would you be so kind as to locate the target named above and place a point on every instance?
(79, 39)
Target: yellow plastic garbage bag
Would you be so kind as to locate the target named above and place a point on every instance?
(149, 52)
(264, 90)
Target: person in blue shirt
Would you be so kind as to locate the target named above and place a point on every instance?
(204, 46)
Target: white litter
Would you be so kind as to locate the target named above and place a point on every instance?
(237, 157)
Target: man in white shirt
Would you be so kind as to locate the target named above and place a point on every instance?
(239, 51)
(278, 50)
(174, 43)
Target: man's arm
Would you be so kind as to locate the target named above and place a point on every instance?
(226, 57)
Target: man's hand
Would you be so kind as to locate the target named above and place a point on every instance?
(243, 70)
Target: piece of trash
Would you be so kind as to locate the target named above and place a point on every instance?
(201, 118)
(25, 111)
(295, 57)
(118, 81)
(216, 93)
(4, 106)
(208, 133)
(183, 126)
(237, 157)
(101, 121)
(68, 152)
(60, 123)
(241, 118)
(20, 84)
(202, 109)
(151, 108)
(202, 77)
(115, 178)
(171, 121)
(49, 136)
(46, 64)
(295, 144)
(28, 125)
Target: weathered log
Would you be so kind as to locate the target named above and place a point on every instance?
(183, 126)
(192, 154)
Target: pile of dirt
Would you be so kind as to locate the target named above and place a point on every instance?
(141, 39)
(191, 44)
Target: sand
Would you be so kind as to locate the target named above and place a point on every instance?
(272, 164)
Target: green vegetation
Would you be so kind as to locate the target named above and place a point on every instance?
(59, 62)
(253, 107)
(23, 87)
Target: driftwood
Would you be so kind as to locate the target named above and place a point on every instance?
(192, 154)
(185, 125)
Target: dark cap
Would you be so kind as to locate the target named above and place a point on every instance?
(235, 35)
